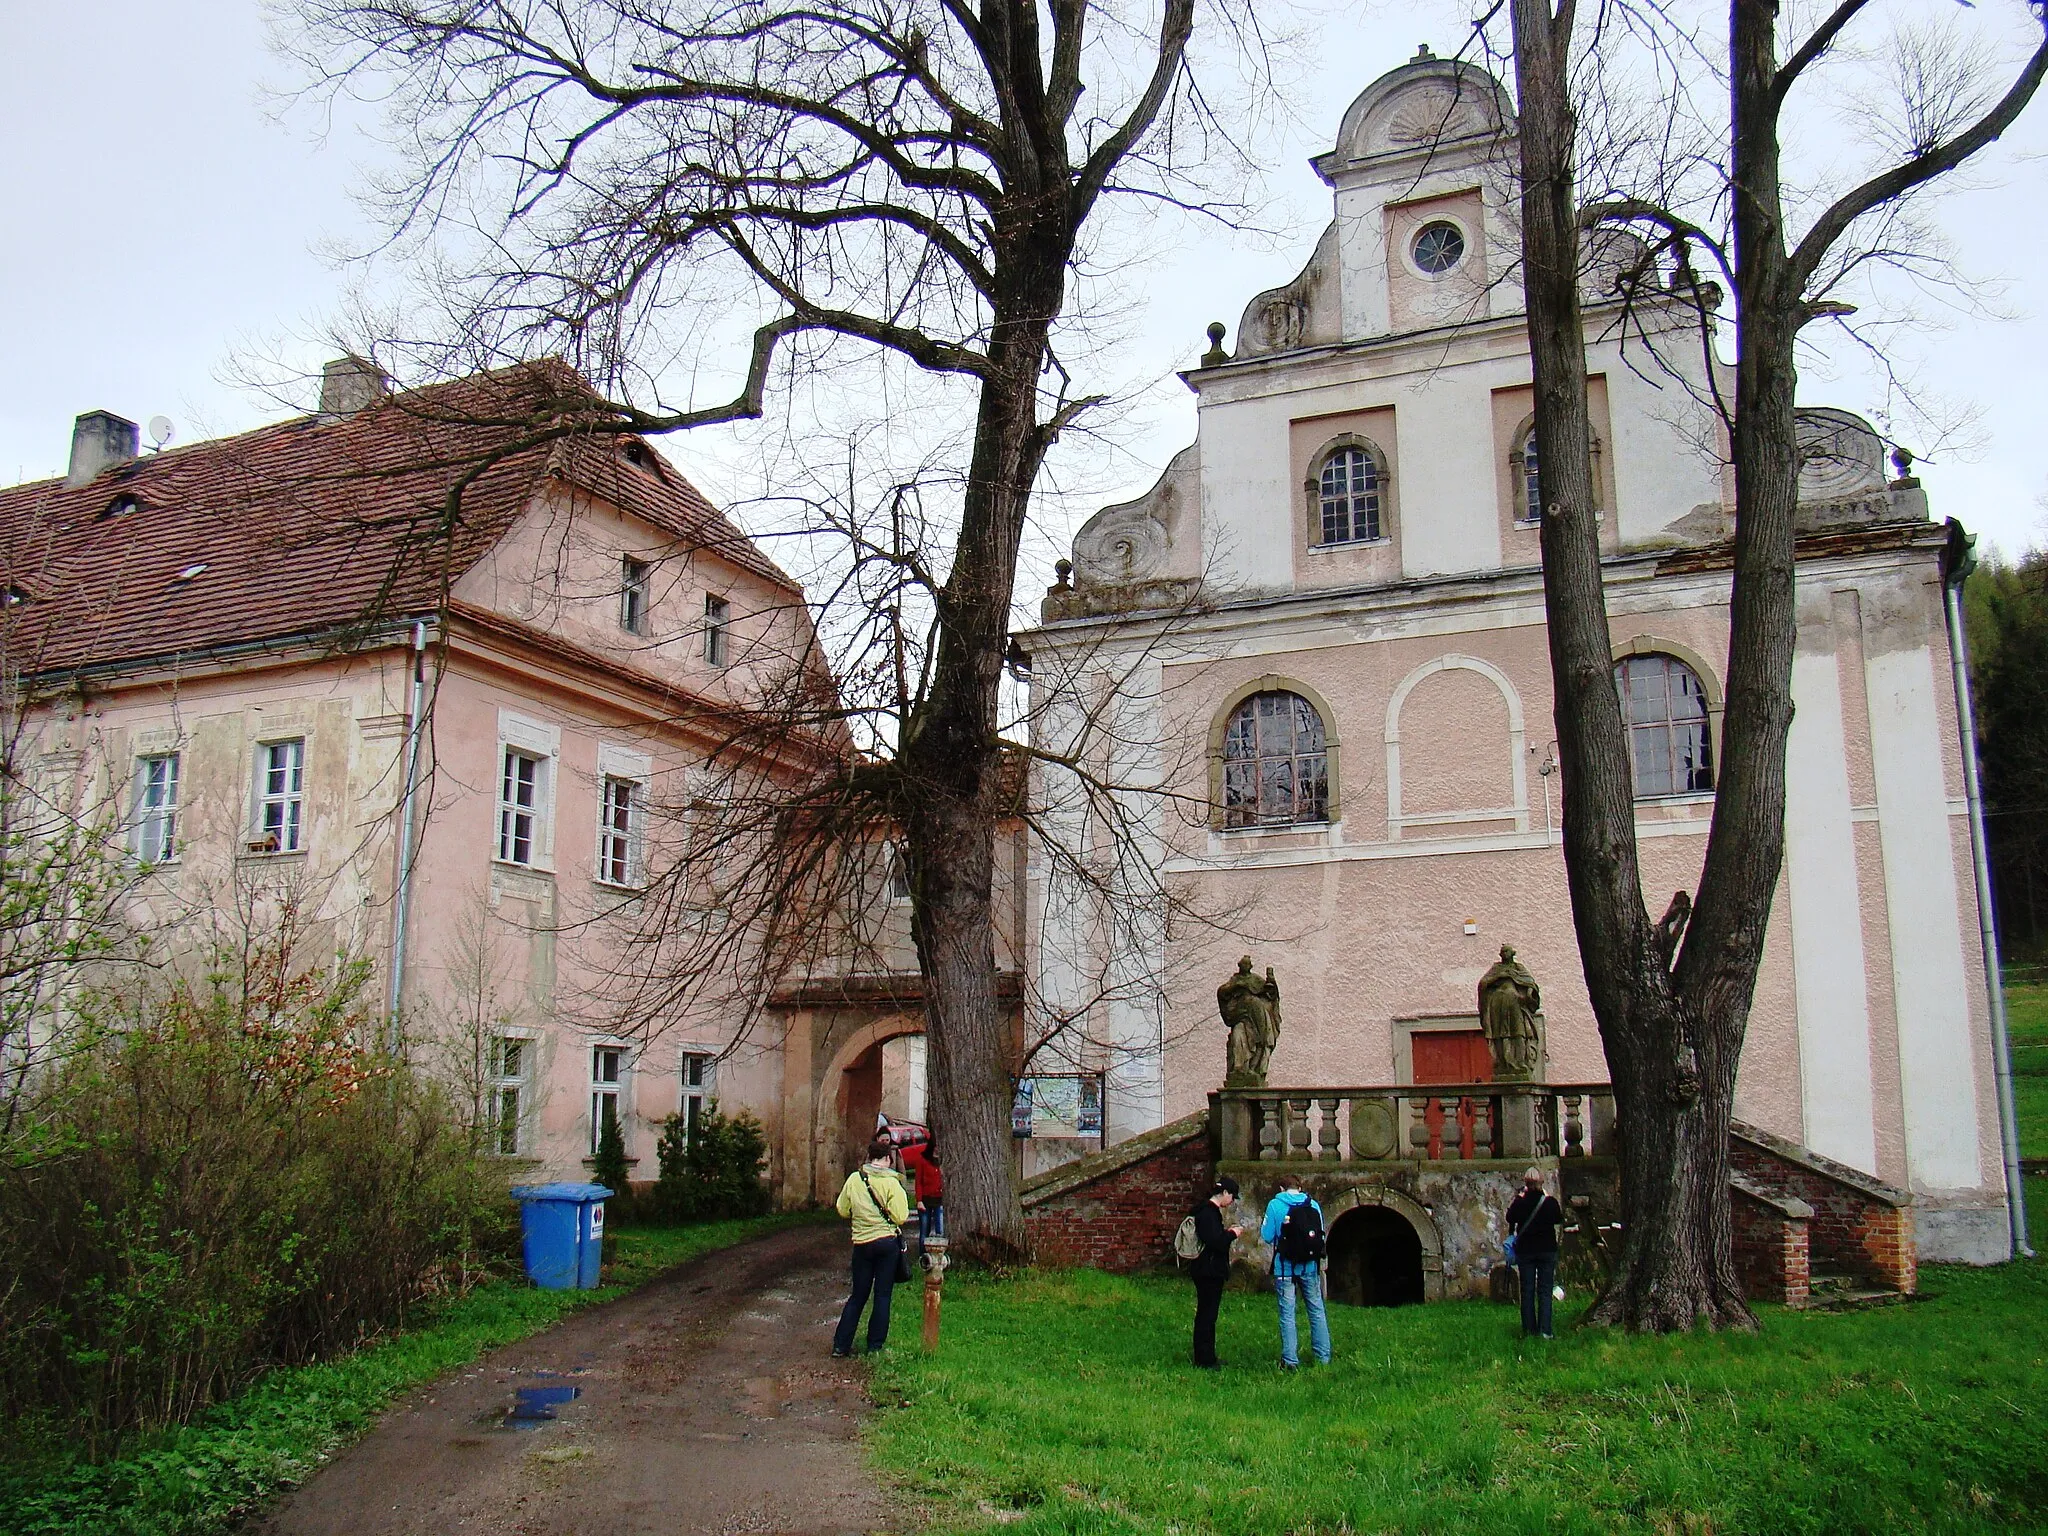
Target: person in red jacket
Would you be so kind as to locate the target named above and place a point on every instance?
(921, 1162)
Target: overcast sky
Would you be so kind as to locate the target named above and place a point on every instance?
(154, 220)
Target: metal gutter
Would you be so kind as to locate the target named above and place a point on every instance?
(402, 898)
(1958, 560)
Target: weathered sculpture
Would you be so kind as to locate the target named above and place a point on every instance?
(1510, 1011)
(1251, 1008)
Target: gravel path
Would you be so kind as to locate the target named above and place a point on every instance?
(705, 1404)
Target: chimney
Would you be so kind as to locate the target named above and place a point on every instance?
(99, 441)
(350, 384)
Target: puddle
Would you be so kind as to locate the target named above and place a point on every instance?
(534, 1406)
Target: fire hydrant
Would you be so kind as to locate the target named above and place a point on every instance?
(933, 1258)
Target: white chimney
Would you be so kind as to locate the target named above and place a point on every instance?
(350, 384)
(99, 441)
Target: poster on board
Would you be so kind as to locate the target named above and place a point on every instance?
(1066, 1104)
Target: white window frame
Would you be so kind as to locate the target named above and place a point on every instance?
(607, 1093)
(522, 791)
(697, 1078)
(514, 1079)
(636, 593)
(622, 768)
(717, 629)
(896, 872)
(289, 803)
(542, 743)
(156, 821)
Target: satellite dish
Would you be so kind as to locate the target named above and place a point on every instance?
(160, 430)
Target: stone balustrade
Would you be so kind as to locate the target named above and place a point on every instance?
(1437, 1123)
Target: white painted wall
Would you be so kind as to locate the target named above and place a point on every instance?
(1827, 923)
(1937, 1068)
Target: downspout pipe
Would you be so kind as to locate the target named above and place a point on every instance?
(1958, 560)
(401, 905)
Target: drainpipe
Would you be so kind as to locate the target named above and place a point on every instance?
(1958, 560)
(402, 900)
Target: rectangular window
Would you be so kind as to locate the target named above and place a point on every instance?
(633, 595)
(618, 832)
(607, 1072)
(716, 612)
(280, 796)
(506, 1092)
(156, 808)
(899, 873)
(699, 1070)
(519, 806)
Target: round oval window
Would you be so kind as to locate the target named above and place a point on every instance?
(1439, 247)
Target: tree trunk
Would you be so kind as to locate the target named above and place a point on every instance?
(1673, 1079)
(951, 774)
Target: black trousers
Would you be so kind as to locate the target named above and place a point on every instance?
(1538, 1276)
(874, 1269)
(1208, 1301)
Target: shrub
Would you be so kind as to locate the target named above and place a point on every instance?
(715, 1174)
(609, 1166)
(228, 1176)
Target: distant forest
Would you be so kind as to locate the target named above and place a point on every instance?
(2006, 609)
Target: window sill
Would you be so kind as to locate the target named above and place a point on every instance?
(524, 869)
(267, 856)
(1676, 802)
(1294, 827)
(1384, 541)
(615, 887)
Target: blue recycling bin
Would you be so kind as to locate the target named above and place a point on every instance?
(564, 1232)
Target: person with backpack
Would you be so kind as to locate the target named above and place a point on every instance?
(921, 1162)
(1211, 1266)
(1533, 1218)
(872, 1198)
(1293, 1229)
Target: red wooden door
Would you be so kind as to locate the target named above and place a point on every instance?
(1451, 1056)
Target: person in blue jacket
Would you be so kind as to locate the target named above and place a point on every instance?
(1298, 1254)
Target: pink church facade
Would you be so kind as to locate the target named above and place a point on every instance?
(1314, 657)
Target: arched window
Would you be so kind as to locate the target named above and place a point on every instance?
(1349, 496)
(1530, 492)
(1275, 763)
(1671, 749)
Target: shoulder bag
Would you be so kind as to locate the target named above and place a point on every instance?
(903, 1271)
(1508, 1248)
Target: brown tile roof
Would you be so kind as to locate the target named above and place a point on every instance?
(316, 525)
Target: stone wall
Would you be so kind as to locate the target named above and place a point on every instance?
(1860, 1225)
(1118, 1210)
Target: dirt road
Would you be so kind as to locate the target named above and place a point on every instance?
(704, 1405)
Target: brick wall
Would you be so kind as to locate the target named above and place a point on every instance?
(1118, 1210)
(1860, 1226)
(1771, 1246)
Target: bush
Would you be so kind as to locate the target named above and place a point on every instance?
(609, 1166)
(226, 1175)
(716, 1174)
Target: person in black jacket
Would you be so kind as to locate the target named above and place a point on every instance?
(1212, 1268)
(1532, 1220)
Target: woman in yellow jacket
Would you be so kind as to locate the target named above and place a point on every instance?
(873, 1198)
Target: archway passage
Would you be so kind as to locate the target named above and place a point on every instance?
(1375, 1259)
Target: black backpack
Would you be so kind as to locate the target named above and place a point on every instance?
(1301, 1234)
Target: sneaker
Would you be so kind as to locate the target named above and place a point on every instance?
(1288, 1365)
(842, 1354)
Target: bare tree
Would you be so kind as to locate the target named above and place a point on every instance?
(920, 178)
(1672, 995)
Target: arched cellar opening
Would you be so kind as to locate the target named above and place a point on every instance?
(1375, 1259)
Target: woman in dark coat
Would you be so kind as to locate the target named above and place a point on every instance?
(1213, 1267)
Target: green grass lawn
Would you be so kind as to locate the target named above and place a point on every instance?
(209, 1475)
(2027, 1014)
(1063, 1403)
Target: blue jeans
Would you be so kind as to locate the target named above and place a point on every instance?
(874, 1269)
(1538, 1275)
(1311, 1284)
(931, 1221)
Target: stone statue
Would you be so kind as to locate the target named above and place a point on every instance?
(1251, 1008)
(1510, 1011)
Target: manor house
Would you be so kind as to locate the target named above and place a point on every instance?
(1314, 652)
